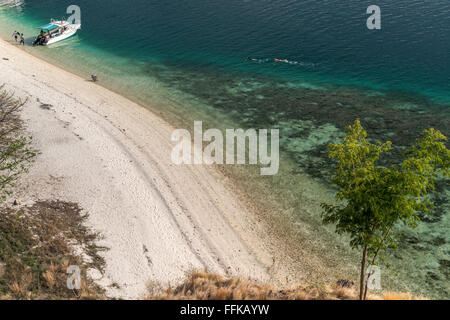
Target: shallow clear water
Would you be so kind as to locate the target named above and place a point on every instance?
(186, 59)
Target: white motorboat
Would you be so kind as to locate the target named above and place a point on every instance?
(56, 31)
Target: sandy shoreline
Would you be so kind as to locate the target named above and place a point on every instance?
(112, 157)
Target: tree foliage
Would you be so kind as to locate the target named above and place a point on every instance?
(15, 150)
(375, 198)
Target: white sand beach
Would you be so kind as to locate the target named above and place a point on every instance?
(112, 157)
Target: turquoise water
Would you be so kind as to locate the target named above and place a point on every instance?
(187, 59)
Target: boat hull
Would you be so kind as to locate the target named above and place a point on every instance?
(69, 33)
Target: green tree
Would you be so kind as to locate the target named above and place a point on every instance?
(15, 150)
(373, 199)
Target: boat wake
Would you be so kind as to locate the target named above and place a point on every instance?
(285, 61)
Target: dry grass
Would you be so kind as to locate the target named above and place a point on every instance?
(36, 248)
(207, 286)
(401, 296)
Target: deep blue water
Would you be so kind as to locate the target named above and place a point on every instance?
(193, 54)
(329, 38)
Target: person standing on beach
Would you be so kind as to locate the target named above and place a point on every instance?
(22, 39)
(15, 35)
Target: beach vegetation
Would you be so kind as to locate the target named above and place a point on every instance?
(202, 285)
(38, 244)
(16, 152)
(372, 198)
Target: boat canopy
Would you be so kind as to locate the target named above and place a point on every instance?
(49, 27)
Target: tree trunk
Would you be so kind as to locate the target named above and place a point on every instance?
(374, 259)
(365, 289)
(363, 268)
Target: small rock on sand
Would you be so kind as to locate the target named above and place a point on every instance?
(345, 283)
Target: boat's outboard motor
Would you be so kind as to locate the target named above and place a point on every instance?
(36, 41)
(40, 41)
